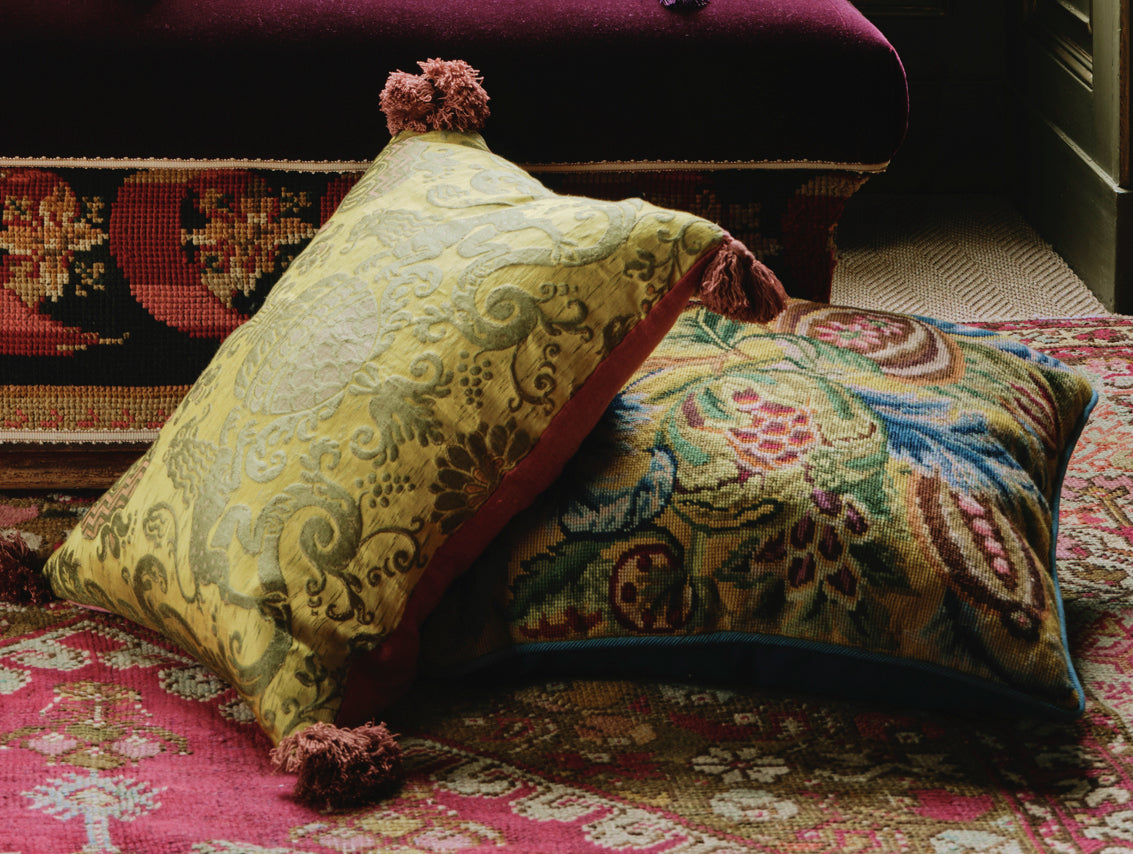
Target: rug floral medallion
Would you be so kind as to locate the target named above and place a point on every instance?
(113, 741)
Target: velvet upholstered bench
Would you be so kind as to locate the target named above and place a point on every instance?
(164, 160)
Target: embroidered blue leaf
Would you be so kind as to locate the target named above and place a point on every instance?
(930, 435)
(601, 506)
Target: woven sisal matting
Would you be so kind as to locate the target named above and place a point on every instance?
(959, 258)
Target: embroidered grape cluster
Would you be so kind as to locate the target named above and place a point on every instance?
(473, 378)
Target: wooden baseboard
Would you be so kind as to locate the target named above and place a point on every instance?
(1077, 208)
(26, 467)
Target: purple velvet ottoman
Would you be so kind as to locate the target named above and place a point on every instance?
(745, 81)
(161, 161)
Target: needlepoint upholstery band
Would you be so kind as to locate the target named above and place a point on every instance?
(841, 501)
(119, 283)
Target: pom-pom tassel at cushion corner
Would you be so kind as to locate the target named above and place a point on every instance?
(340, 767)
(21, 573)
(447, 95)
(737, 285)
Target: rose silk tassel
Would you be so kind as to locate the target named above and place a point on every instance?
(447, 96)
(737, 285)
(338, 767)
(21, 577)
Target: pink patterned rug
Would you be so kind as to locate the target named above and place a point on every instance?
(111, 741)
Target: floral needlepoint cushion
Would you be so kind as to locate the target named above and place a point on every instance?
(419, 374)
(843, 500)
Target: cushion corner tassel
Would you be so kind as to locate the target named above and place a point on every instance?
(737, 284)
(340, 767)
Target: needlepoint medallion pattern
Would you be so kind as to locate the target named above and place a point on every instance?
(118, 284)
(595, 766)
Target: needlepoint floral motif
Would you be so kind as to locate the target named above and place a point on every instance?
(855, 484)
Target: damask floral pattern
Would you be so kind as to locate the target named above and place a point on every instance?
(421, 370)
(471, 468)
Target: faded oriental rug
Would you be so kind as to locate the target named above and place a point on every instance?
(111, 741)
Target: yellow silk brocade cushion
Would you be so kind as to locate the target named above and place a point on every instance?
(419, 373)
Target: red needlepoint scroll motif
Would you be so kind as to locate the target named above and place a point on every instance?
(43, 226)
(193, 243)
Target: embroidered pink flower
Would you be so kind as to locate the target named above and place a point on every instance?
(862, 333)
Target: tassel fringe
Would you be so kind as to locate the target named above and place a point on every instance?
(737, 285)
(446, 96)
(340, 768)
(21, 573)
